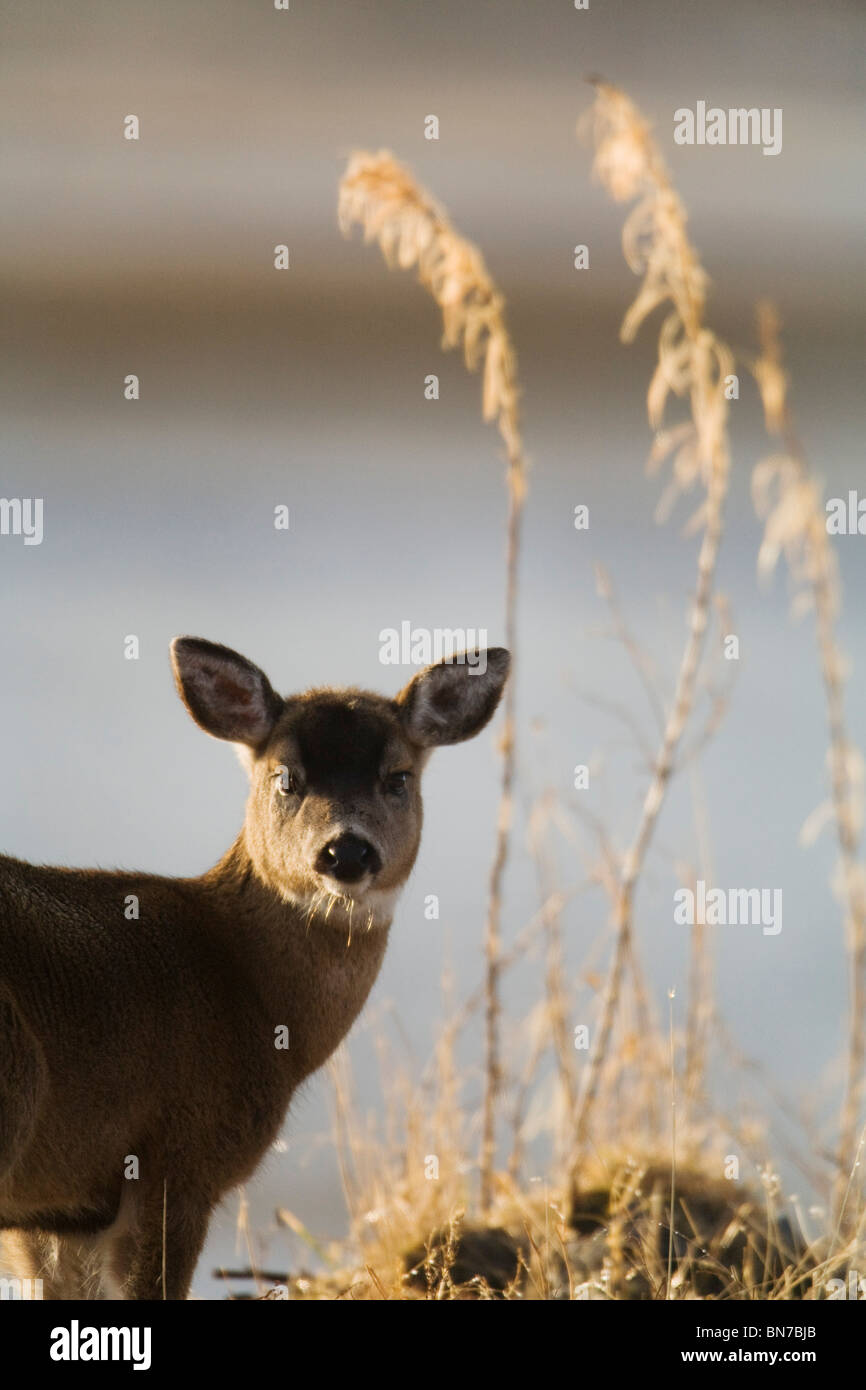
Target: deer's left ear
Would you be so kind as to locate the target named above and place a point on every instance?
(453, 700)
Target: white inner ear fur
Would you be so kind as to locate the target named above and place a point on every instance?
(246, 757)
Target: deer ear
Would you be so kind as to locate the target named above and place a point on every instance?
(453, 700)
(226, 695)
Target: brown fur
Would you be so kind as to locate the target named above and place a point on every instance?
(155, 1037)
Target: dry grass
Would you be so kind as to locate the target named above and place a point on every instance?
(789, 499)
(692, 364)
(649, 1216)
(414, 232)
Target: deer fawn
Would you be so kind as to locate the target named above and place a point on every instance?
(143, 1065)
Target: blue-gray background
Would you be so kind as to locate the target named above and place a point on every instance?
(306, 388)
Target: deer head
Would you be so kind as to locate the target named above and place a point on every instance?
(334, 812)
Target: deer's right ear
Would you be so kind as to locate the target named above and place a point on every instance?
(226, 695)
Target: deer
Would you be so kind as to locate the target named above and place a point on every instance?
(153, 1030)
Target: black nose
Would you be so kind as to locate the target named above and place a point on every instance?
(348, 859)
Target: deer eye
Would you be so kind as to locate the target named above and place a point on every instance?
(396, 782)
(288, 783)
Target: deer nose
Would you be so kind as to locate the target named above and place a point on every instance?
(348, 859)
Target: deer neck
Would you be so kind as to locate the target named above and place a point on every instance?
(313, 967)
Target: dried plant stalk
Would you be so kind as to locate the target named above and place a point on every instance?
(414, 231)
(699, 1013)
(556, 1000)
(788, 498)
(692, 364)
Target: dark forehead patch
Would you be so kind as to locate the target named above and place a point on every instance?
(341, 734)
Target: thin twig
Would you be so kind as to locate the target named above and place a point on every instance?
(671, 993)
(692, 363)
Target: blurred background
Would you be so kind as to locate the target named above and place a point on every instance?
(306, 388)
